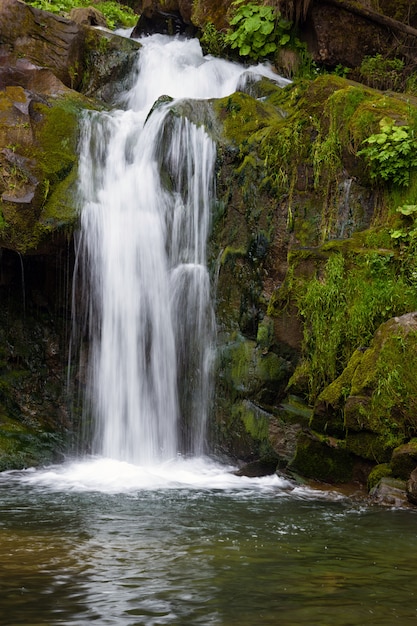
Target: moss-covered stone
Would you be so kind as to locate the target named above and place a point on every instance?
(368, 445)
(38, 167)
(404, 460)
(249, 372)
(379, 471)
(322, 459)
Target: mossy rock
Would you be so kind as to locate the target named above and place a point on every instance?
(39, 175)
(368, 445)
(385, 376)
(249, 372)
(379, 471)
(316, 458)
(22, 447)
(404, 460)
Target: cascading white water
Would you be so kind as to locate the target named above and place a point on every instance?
(146, 288)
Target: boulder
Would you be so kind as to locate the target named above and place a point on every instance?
(79, 56)
(411, 487)
(390, 492)
(89, 16)
(46, 39)
(404, 460)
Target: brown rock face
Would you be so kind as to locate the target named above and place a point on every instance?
(150, 7)
(89, 16)
(48, 40)
(336, 36)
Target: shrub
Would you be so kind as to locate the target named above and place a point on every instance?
(257, 30)
(391, 153)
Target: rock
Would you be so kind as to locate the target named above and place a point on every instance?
(89, 16)
(257, 469)
(404, 460)
(108, 64)
(338, 36)
(411, 487)
(390, 492)
(49, 52)
(46, 39)
(322, 458)
(163, 22)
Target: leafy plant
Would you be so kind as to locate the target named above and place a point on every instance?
(257, 30)
(212, 40)
(382, 73)
(391, 153)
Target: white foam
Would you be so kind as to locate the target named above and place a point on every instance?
(110, 476)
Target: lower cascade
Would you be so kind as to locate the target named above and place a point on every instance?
(146, 189)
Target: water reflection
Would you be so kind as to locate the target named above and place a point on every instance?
(198, 555)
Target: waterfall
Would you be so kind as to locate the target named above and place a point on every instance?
(146, 186)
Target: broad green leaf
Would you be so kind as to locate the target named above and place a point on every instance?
(269, 47)
(266, 28)
(398, 234)
(244, 50)
(252, 24)
(407, 209)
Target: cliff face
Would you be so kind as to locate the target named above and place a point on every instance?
(310, 251)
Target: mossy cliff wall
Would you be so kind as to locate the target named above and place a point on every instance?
(308, 267)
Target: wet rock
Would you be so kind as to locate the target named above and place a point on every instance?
(256, 469)
(390, 491)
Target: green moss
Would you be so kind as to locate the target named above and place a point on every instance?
(343, 307)
(379, 471)
(256, 424)
(336, 393)
(265, 334)
(243, 115)
(368, 445)
(315, 458)
(55, 142)
(21, 446)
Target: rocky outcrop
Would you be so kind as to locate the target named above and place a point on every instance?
(72, 51)
(48, 40)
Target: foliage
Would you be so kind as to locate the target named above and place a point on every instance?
(391, 153)
(258, 30)
(116, 14)
(382, 73)
(213, 40)
(342, 310)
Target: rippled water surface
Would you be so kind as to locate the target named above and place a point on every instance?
(185, 544)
